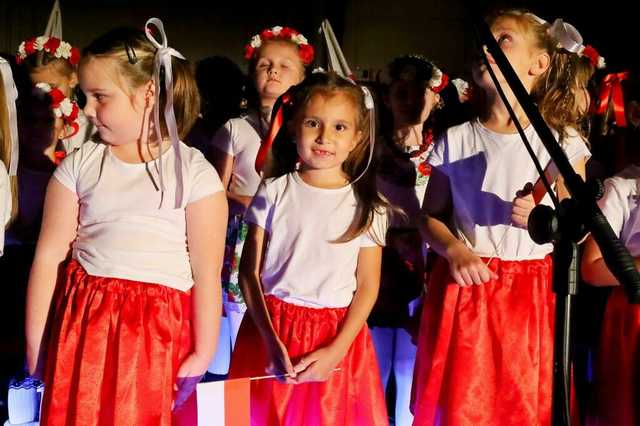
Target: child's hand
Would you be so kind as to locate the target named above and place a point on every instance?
(189, 375)
(467, 268)
(280, 364)
(317, 366)
(522, 206)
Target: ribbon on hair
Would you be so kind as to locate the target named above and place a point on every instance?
(611, 91)
(567, 36)
(11, 94)
(274, 129)
(163, 62)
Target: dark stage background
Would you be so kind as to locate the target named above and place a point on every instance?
(371, 32)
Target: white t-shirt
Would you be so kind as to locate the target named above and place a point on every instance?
(122, 232)
(5, 203)
(620, 206)
(241, 139)
(485, 170)
(301, 264)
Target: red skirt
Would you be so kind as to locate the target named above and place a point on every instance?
(353, 396)
(617, 383)
(485, 352)
(115, 349)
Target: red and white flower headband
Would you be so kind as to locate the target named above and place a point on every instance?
(62, 107)
(52, 45)
(305, 50)
(438, 81)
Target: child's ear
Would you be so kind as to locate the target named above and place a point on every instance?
(541, 64)
(73, 80)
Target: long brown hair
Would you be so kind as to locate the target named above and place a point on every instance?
(556, 91)
(132, 56)
(284, 156)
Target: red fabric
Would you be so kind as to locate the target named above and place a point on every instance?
(115, 350)
(485, 352)
(617, 384)
(352, 396)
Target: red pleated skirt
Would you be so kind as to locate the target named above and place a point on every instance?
(617, 385)
(115, 349)
(353, 396)
(485, 352)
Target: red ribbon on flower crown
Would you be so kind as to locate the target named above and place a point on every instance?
(276, 125)
(612, 90)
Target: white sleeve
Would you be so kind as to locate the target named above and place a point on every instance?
(614, 203)
(375, 235)
(5, 203)
(260, 210)
(575, 147)
(436, 158)
(67, 172)
(204, 178)
(223, 138)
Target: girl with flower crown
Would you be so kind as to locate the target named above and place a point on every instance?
(50, 126)
(54, 62)
(278, 58)
(485, 348)
(414, 96)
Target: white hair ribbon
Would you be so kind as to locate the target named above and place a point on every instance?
(567, 36)
(163, 62)
(11, 94)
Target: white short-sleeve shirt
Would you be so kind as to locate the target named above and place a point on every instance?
(241, 139)
(122, 230)
(620, 206)
(302, 264)
(485, 170)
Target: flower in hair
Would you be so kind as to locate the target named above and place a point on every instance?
(52, 45)
(62, 107)
(438, 81)
(594, 57)
(305, 50)
(463, 88)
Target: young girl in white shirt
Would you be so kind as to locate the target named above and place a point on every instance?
(310, 268)
(135, 311)
(278, 58)
(486, 336)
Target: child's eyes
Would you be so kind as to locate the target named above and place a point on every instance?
(341, 127)
(310, 122)
(503, 38)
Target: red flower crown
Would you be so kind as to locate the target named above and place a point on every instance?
(305, 50)
(62, 107)
(52, 45)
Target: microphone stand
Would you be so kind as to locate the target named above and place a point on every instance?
(564, 226)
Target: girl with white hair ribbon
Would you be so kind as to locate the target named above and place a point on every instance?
(142, 218)
(310, 265)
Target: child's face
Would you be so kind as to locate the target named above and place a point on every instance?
(119, 116)
(278, 67)
(326, 131)
(411, 102)
(519, 48)
(51, 75)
